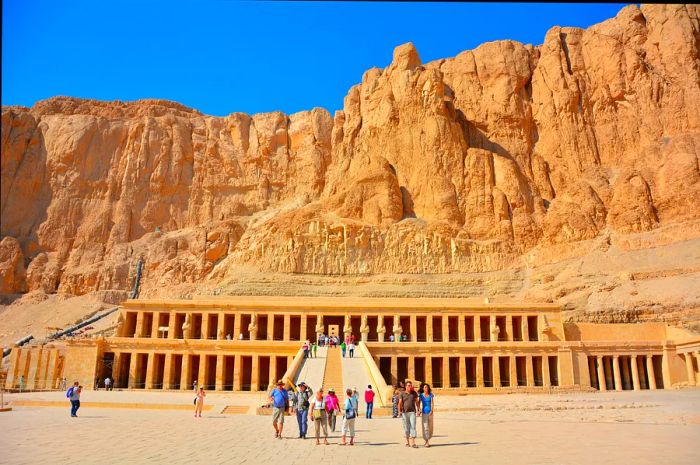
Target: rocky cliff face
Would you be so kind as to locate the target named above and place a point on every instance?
(507, 158)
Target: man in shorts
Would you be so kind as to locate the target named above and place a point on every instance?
(407, 407)
(278, 398)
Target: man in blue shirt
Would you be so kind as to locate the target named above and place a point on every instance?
(278, 398)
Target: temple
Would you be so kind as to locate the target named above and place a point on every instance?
(246, 343)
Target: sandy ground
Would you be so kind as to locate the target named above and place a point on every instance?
(611, 428)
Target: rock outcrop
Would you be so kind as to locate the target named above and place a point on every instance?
(505, 157)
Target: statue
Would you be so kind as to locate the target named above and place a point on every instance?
(364, 328)
(253, 326)
(495, 330)
(186, 326)
(397, 329)
(547, 331)
(347, 327)
(319, 326)
(380, 328)
(120, 325)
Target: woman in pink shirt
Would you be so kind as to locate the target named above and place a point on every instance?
(369, 400)
(332, 406)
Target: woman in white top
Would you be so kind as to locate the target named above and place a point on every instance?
(349, 418)
(317, 413)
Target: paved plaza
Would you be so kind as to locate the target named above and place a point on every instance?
(611, 428)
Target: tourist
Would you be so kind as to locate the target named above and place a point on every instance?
(73, 395)
(332, 407)
(108, 384)
(427, 403)
(314, 348)
(300, 405)
(407, 407)
(391, 338)
(199, 402)
(395, 403)
(369, 400)
(64, 383)
(306, 349)
(21, 383)
(228, 336)
(343, 347)
(351, 349)
(320, 417)
(352, 338)
(240, 337)
(279, 399)
(194, 386)
(349, 417)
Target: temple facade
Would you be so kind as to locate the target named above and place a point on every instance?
(247, 343)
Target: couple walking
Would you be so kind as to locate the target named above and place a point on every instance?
(413, 404)
(320, 411)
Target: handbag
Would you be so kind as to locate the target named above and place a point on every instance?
(350, 413)
(317, 414)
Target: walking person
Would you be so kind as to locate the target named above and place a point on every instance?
(395, 403)
(320, 417)
(194, 386)
(108, 384)
(427, 408)
(351, 349)
(300, 405)
(306, 349)
(314, 348)
(279, 398)
(343, 348)
(332, 407)
(350, 408)
(21, 383)
(73, 395)
(199, 402)
(408, 401)
(369, 400)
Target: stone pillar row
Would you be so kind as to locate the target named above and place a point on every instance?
(608, 370)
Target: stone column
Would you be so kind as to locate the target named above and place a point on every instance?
(650, 372)
(493, 329)
(626, 378)
(479, 371)
(689, 368)
(139, 324)
(255, 374)
(219, 383)
(53, 364)
(429, 328)
(529, 371)
(253, 327)
(168, 371)
(287, 327)
(445, 372)
(477, 328)
(271, 326)
(381, 330)
(171, 325)
(364, 328)
(602, 385)
(237, 326)
(412, 368)
(116, 370)
(397, 329)
(186, 372)
(462, 371)
(513, 371)
(509, 327)
(616, 373)
(394, 370)
(592, 371)
(133, 362)
(203, 369)
(461, 333)
(525, 328)
(414, 328)
(150, 370)
(429, 370)
(221, 327)
(495, 364)
(155, 324)
(304, 328)
(635, 374)
(697, 360)
(30, 380)
(204, 327)
(237, 371)
(445, 327)
(271, 372)
(546, 378)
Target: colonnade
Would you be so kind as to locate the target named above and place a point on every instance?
(626, 372)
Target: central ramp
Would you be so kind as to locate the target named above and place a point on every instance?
(333, 376)
(356, 375)
(312, 370)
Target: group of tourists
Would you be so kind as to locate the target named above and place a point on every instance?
(347, 346)
(309, 349)
(323, 410)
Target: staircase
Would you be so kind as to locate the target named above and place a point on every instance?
(311, 371)
(333, 376)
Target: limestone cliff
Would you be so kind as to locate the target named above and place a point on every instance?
(508, 159)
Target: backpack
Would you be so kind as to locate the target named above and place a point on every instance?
(69, 392)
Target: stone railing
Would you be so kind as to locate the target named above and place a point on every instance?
(384, 391)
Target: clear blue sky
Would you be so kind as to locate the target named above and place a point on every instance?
(225, 56)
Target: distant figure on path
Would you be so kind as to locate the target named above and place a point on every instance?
(320, 417)
(391, 338)
(199, 402)
(349, 418)
(73, 395)
(194, 386)
(343, 347)
(427, 404)
(108, 384)
(351, 349)
(314, 348)
(369, 400)
(21, 383)
(279, 399)
(408, 401)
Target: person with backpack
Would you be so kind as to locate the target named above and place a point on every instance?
(301, 404)
(73, 394)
